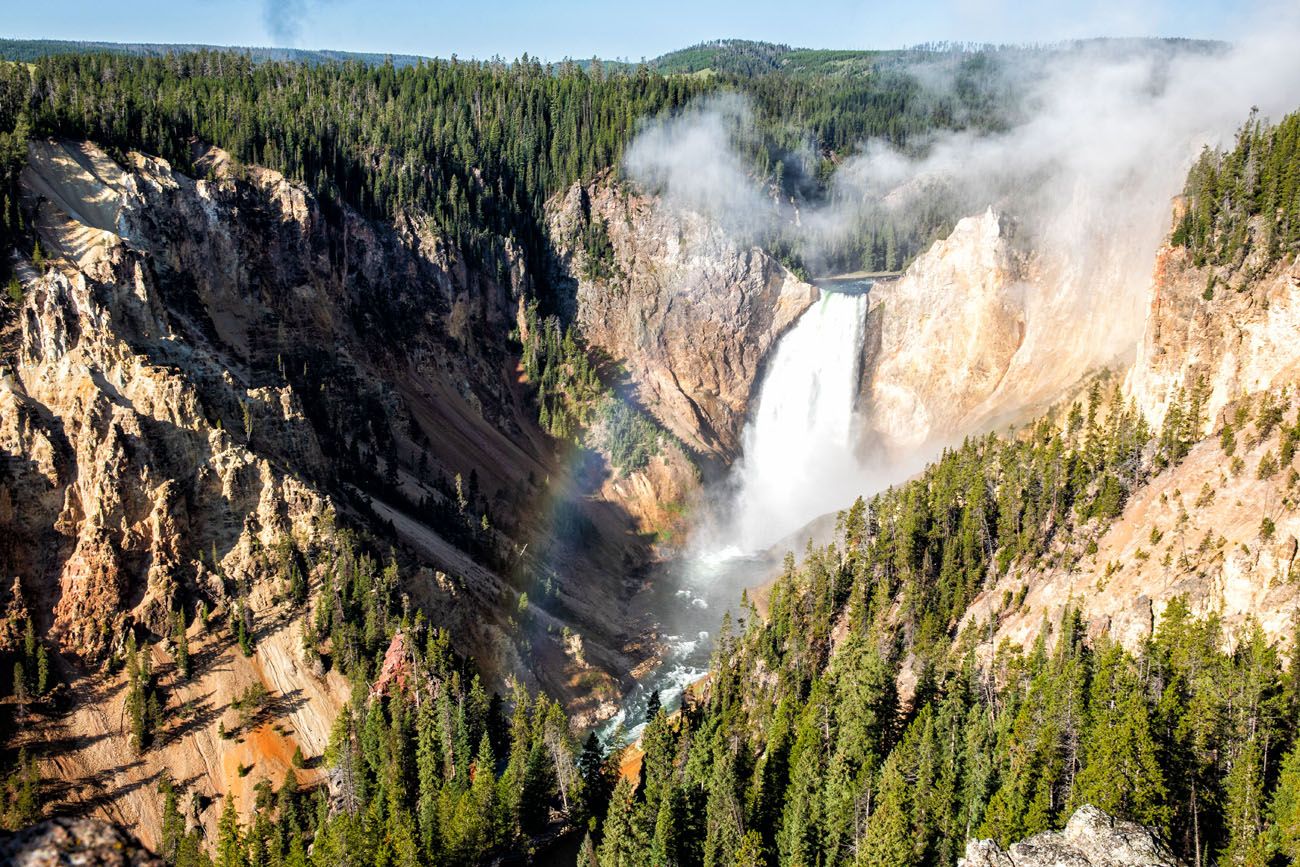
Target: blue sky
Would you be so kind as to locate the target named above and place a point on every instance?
(553, 29)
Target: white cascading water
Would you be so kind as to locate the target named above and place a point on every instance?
(799, 460)
(798, 464)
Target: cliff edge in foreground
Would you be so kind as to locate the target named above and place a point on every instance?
(1091, 838)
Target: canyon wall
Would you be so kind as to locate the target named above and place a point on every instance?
(208, 372)
(684, 309)
(1220, 527)
(942, 337)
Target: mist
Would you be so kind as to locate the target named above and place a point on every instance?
(284, 19)
(1101, 142)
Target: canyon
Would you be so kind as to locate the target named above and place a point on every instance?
(215, 374)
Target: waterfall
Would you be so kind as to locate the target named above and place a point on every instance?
(798, 461)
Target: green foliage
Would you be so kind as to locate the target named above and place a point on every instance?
(15, 130)
(413, 762)
(568, 388)
(631, 437)
(20, 801)
(1284, 810)
(31, 666)
(143, 696)
(571, 398)
(176, 845)
(598, 259)
(1121, 772)
(1267, 466)
(476, 147)
(182, 644)
(1245, 201)
(249, 702)
(815, 762)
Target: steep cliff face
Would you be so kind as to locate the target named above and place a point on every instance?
(211, 325)
(686, 310)
(942, 337)
(1224, 332)
(1218, 528)
(990, 327)
(209, 370)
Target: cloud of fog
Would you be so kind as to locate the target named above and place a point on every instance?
(693, 160)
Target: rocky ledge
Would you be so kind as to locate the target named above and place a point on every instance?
(1090, 839)
(83, 842)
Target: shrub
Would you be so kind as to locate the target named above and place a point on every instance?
(1267, 466)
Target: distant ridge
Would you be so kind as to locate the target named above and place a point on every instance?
(740, 57)
(31, 49)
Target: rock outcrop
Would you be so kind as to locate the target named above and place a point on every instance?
(80, 842)
(688, 311)
(942, 338)
(230, 363)
(990, 327)
(1090, 839)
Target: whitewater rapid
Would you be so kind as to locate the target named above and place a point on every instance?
(799, 446)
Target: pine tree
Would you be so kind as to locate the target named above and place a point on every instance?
(889, 841)
(42, 670)
(1244, 810)
(173, 823)
(667, 845)
(587, 853)
(242, 636)
(230, 844)
(622, 846)
(723, 812)
(1121, 771)
(483, 791)
(137, 712)
(1284, 810)
(597, 779)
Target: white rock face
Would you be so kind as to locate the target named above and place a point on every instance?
(1240, 340)
(984, 330)
(945, 335)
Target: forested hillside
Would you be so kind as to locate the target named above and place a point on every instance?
(423, 765)
(854, 712)
(478, 147)
(863, 716)
(27, 50)
(805, 752)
